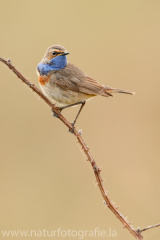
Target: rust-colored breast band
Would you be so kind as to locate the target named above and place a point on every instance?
(43, 79)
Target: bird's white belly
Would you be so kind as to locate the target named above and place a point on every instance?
(61, 96)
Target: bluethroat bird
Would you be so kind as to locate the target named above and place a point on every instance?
(66, 84)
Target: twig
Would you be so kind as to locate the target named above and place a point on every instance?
(107, 201)
(144, 229)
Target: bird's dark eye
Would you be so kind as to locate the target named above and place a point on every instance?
(54, 53)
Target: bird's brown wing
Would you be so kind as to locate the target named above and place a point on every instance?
(72, 78)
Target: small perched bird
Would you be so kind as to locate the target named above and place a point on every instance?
(66, 84)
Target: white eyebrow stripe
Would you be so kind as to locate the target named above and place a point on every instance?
(57, 51)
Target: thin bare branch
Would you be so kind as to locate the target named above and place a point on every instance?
(107, 201)
(144, 229)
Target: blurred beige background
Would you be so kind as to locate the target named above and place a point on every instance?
(45, 182)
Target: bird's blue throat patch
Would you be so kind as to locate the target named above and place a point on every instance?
(56, 63)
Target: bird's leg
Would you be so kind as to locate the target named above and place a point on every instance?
(73, 123)
(71, 105)
(61, 108)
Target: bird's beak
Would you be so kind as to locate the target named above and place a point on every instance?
(65, 53)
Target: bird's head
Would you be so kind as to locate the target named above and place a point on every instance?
(55, 56)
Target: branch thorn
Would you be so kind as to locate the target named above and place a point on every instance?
(80, 132)
(9, 61)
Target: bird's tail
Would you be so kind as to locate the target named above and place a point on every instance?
(115, 90)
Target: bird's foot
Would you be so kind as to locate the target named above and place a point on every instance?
(71, 130)
(56, 115)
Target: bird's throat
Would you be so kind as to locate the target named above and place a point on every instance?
(56, 63)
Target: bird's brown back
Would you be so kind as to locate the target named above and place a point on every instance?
(73, 78)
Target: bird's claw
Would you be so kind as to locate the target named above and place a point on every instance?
(56, 115)
(72, 130)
